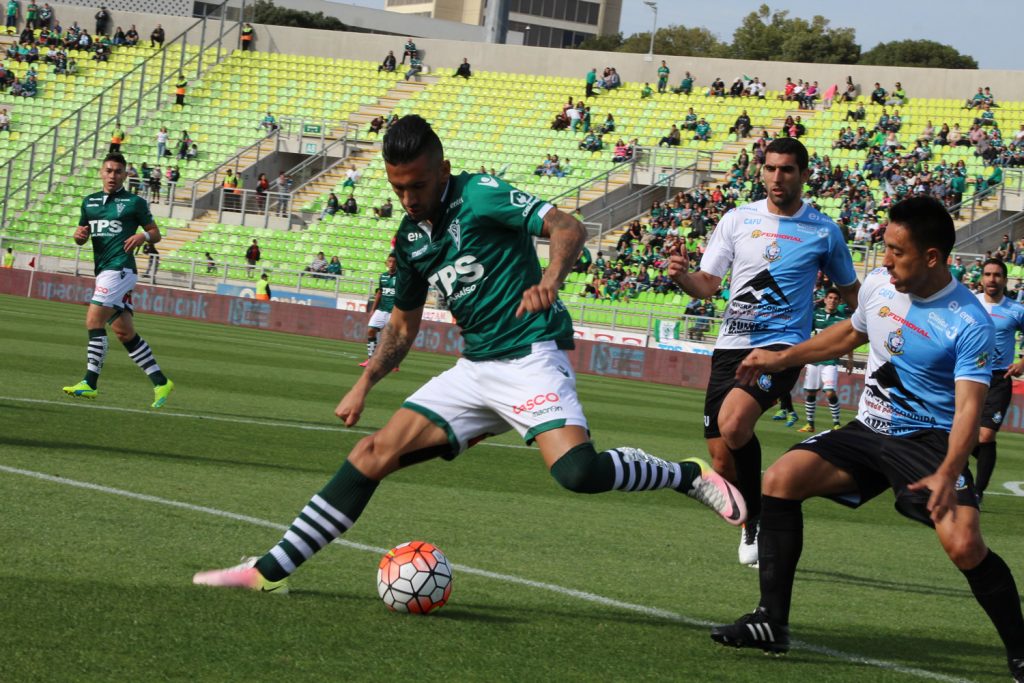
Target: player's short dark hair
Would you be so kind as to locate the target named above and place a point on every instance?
(996, 262)
(117, 158)
(410, 138)
(790, 146)
(928, 223)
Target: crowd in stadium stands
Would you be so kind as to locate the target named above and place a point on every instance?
(43, 31)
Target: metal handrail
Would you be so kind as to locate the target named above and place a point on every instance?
(80, 141)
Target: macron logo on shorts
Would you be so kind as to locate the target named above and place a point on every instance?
(533, 405)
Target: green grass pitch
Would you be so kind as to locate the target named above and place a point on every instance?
(95, 585)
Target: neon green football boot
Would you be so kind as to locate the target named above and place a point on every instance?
(81, 390)
(161, 393)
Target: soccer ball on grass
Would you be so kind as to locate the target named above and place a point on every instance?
(414, 577)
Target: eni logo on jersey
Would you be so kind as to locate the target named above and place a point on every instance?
(772, 252)
(103, 227)
(464, 270)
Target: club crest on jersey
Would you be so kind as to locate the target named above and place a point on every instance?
(455, 230)
(772, 252)
(982, 359)
(894, 343)
(765, 382)
(120, 208)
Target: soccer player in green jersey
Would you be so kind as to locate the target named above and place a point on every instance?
(824, 375)
(111, 219)
(380, 311)
(471, 237)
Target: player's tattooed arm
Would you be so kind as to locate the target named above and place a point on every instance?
(396, 340)
(567, 236)
(393, 347)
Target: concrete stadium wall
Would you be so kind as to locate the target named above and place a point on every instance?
(144, 22)
(593, 358)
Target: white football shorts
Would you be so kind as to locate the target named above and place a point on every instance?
(476, 399)
(113, 288)
(379, 319)
(821, 377)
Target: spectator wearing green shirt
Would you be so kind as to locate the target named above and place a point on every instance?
(685, 85)
(663, 72)
(12, 17)
(646, 92)
(591, 80)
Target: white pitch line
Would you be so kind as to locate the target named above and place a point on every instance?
(306, 426)
(506, 578)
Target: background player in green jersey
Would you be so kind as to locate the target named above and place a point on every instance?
(111, 219)
(380, 311)
(824, 375)
(471, 236)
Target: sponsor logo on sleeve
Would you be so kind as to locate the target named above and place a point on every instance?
(982, 359)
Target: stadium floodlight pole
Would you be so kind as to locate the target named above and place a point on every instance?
(649, 57)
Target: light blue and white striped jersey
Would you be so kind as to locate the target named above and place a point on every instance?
(920, 348)
(775, 261)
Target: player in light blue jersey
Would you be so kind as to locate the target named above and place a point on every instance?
(1008, 317)
(929, 366)
(774, 249)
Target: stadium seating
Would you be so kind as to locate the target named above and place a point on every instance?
(498, 121)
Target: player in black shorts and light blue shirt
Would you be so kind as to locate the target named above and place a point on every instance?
(929, 366)
(775, 248)
(1008, 318)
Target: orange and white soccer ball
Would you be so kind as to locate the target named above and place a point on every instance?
(414, 577)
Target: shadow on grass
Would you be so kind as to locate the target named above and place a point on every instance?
(902, 642)
(832, 578)
(106, 449)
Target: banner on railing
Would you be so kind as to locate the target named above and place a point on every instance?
(282, 295)
(666, 329)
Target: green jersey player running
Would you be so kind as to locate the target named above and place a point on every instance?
(380, 311)
(825, 374)
(111, 219)
(471, 236)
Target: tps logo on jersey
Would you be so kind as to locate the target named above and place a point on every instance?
(464, 269)
(102, 227)
(765, 382)
(772, 252)
(894, 343)
(982, 359)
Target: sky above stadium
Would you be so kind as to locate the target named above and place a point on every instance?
(992, 40)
